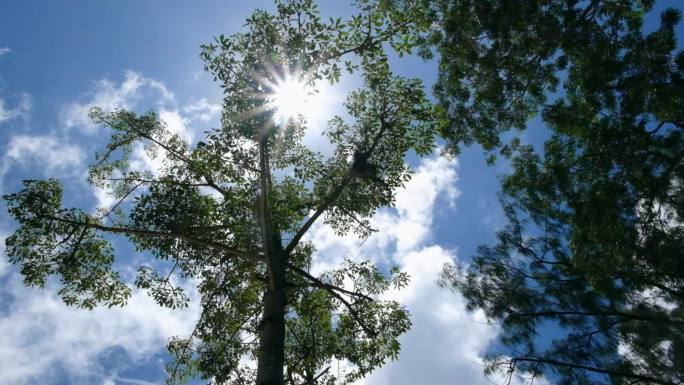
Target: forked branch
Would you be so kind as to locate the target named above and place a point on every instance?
(335, 292)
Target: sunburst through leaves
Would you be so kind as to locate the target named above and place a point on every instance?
(293, 97)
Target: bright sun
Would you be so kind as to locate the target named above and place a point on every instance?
(292, 97)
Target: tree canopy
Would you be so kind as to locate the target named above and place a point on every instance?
(593, 248)
(231, 211)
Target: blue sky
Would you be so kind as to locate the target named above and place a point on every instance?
(59, 58)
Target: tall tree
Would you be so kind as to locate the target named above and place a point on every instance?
(591, 259)
(231, 211)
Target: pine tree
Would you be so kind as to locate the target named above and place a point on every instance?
(586, 280)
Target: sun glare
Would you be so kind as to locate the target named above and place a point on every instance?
(291, 98)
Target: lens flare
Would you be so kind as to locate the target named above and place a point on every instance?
(292, 98)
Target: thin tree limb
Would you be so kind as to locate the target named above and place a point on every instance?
(333, 291)
(332, 196)
(594, 369)
(160, 234)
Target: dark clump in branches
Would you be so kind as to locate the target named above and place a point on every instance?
(361, 167)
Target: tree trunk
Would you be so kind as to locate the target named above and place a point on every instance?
(272, 334)
(271, 360)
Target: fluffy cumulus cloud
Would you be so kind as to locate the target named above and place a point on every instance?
(20, 108)
(176, 123)
(53, 154)
(446, 343)
(117, 380)
(202, 110)
(402, 229)
(137, 92)
(42, 336)
(59, 155)
(4, 264)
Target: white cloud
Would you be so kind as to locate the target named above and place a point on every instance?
(5, 50)
(103, 198)
(415, 203)
(21, 110)
(4, 263)
(404, 228)
(138, 92)
(109, 96)
(49, 156)
(446, 343)
(176, 123)
(142, 159)
(41, 334)
(202, 110)
(48, 153)
(116, 380)
(51, 152)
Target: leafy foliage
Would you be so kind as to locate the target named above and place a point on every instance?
(214, 211)
(594, 240)
(499, 59)
(50, 241)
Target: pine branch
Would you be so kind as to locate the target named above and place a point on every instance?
(610, 372)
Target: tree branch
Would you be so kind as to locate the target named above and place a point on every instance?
(332, 196)
(318, 283)
(160, 234)
(264, 217)
(123, 198)
(333, 291)
(613, 313)
(166, 147)
(151, 181)
(593, 369)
